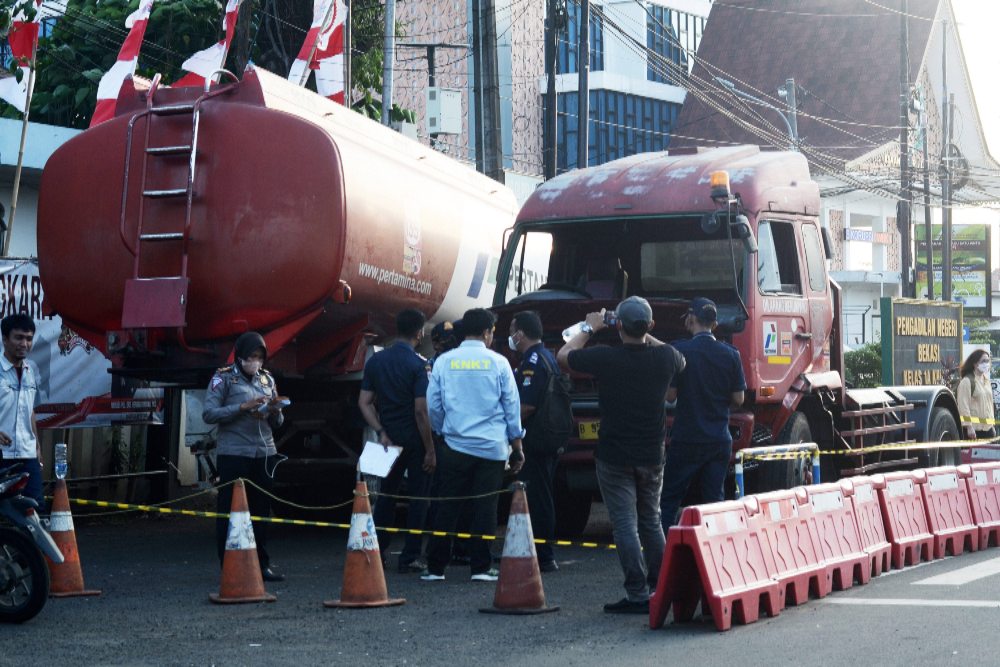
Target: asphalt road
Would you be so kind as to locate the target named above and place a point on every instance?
(156, 573)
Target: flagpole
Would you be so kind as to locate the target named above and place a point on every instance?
(348, 89)
(20, 153)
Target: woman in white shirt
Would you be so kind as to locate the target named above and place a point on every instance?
(975, 396)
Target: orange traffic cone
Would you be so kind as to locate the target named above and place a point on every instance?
(364, 580)
(519, 589)
(241, 577)
(67, 577)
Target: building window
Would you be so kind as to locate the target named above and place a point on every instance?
(569, 41)
(620, 125)
(672, 38)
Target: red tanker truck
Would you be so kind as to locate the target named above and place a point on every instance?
(741, 227)
(192, 216)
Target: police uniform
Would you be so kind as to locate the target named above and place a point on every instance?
(532, 377)
(245, 446)
(398, 376)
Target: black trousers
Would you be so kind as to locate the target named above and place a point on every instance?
(255, 470)
(538, 474)
(465, 475)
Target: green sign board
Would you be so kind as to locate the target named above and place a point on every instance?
(970, 266)
(921, 341)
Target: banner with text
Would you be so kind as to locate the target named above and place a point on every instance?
(921, 341)
(970, 266)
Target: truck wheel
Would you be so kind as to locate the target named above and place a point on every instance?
(572, 509)
(773, 475)
(942, 429)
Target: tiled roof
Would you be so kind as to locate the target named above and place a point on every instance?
(843, 55)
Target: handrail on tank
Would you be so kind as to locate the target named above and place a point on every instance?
(766, 452)
(211, 78)
(128, 158)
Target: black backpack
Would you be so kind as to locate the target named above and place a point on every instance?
(552, 423)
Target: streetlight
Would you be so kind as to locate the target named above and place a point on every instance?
(787, 91)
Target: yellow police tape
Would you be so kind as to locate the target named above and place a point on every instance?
(804, 454)
(979, 420)
(159, 509)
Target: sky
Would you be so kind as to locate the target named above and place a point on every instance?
(977, 25)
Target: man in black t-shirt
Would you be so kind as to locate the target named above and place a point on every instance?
(700, 442)
(632, 383)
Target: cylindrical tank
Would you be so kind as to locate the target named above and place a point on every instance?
(292, 194)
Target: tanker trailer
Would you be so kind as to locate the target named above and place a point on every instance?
(193, 216)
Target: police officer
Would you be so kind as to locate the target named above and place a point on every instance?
(700, 442)
(539, 470)
(243, 400)
(393, 402)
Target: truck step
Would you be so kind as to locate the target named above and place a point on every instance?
(162, 194)
(169, 236)
(170, 150)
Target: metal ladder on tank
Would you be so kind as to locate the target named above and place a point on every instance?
(160, 301)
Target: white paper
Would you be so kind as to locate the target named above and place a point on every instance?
(376, 461)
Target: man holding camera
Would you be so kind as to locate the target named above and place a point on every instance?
(632, 383)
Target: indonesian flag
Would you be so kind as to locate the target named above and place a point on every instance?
(202, 64)
(22, 37)
(326, 44)
(111, 82)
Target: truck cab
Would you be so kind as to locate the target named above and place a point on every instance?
(736, 225)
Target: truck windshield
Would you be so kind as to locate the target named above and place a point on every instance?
(663, 257)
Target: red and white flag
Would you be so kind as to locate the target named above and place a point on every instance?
(326, 44)
(111, 82)
(204, 63)
(22, 37)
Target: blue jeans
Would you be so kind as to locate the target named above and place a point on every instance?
(707, 462)
(632, 496)
(418, 484)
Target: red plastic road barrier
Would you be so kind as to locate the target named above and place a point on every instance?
(722, 545)
(833, 517)
(984, 497)
(949, 513)
(905, 517)
(862, 492)
(787, 525)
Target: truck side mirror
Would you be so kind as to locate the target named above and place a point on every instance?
(741, 230)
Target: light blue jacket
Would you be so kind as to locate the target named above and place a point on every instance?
(472, 400)
(17, 408)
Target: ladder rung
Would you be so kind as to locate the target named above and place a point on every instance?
(169, 236)
(158, 194)
(172, 109)
(170, 150)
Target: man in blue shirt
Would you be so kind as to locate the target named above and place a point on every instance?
(700, 442)
(18, 394)
(473, 403)
(393, 402)
(532, 375)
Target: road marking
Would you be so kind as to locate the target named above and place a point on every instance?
(911, 602)
(963, 575)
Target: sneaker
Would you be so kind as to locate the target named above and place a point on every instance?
(427, 575)
(626, 606)
(548, 566)
(491, 574)
(415, 565)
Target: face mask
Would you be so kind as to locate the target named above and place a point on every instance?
(983, 367)
(251, 366)
(511, 344)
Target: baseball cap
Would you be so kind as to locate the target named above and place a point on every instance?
(442, 330)
(704, 309)
(633, 310)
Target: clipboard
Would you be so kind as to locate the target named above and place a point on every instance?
(374, 460)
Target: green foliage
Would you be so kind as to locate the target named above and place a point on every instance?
(863, 366)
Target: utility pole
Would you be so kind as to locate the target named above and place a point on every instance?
(928, 227)
(788, 92)
(492, 140)
(945, 171)
(583, 88)
(551, 121)
(348, 88)
(905, 196)
(388, 58)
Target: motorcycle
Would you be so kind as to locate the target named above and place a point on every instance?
(24, 574)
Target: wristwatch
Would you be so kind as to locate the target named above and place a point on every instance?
(587, 329)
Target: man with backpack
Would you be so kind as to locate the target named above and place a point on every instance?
(546, 416)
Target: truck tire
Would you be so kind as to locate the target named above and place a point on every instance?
(942, 429)
(774, 475)
(572, 509)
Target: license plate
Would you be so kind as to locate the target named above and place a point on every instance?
(589, 429)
